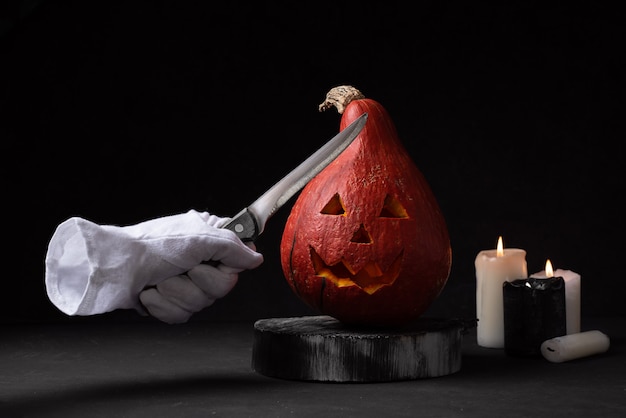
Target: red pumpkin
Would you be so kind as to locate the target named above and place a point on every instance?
(366, 242)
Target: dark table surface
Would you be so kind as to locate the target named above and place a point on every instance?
(108, 369)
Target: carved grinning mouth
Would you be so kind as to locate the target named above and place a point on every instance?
(370, 278)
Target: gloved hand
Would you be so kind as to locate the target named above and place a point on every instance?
(176, 299)
(93, 269)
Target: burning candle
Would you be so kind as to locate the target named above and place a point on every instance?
(572, 294)
(574, 346)
(493, 269)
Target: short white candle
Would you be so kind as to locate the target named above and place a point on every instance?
(493, 268)
(573, 346)
(572, 294)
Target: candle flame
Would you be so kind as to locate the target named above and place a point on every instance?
(500, 248)
(549, 270)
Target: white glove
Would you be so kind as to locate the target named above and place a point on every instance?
(174, 300)
(92, 269)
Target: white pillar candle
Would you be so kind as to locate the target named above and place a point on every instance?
(572, 294)
(493, 268)
(573, 346)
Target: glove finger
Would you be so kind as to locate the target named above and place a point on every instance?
(214, 244)
(163, 309)
(227, 248)
(214, 281)
(213, 220)
(216, 221)
(227, 269)
(182, 291)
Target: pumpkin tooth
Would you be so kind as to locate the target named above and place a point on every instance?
(370, 278)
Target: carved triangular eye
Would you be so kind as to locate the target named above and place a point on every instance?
(392, 208)
(334, 206)
(361, 236)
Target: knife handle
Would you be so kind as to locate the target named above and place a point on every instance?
(244, 225)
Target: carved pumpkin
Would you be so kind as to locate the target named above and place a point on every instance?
(366, 242)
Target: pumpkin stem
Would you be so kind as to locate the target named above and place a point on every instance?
(340, 97)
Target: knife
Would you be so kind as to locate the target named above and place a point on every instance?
(250, 222)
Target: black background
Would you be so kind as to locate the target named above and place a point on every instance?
(121, 112)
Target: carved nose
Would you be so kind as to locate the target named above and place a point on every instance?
(361, 236)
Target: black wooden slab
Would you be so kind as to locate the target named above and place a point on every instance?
(320, 348)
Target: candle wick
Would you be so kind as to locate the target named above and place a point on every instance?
(550, 349)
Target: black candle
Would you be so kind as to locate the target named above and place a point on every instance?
(534, 311)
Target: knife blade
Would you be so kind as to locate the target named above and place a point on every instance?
(250, 222)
